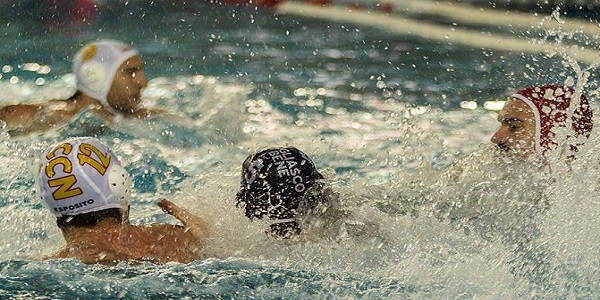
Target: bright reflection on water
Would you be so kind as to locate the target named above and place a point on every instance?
(399, 123)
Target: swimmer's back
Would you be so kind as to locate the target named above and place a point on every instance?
(157, 243)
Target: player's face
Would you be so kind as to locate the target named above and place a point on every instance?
(128, 83)
(516, 134)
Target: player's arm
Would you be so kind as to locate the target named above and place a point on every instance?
(196, 226)
(19, 116)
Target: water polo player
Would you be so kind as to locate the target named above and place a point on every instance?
(281, 184)
(530, 118)
(110, 77)
(83, 184)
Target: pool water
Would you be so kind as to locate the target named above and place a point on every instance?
(397, 116)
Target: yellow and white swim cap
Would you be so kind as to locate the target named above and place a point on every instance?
(81, 175)
(96, 64)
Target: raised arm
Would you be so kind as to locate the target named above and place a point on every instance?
(197, 227)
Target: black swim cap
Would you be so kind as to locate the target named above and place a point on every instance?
(273, 183)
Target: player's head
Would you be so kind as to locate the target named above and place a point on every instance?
(279, 183)
(81, 176)
(111, 72)
(531, 116)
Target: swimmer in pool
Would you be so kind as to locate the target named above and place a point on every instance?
(530, 117)
(110, 77)
(89, 192)
(283, 185)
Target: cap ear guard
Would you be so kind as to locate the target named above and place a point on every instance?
(93, 76)
(120, 185)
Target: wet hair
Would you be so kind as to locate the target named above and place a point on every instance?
(279, 183)
(88, 219)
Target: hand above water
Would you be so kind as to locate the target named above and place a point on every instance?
(197, 227)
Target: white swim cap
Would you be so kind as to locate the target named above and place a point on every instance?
(82, 175)
(96, 64)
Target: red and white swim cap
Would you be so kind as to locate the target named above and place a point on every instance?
(82, 175)
(95, 66)
(551, 105)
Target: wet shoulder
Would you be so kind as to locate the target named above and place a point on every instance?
(161, 243)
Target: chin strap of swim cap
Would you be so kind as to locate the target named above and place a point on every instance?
(95, 66)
